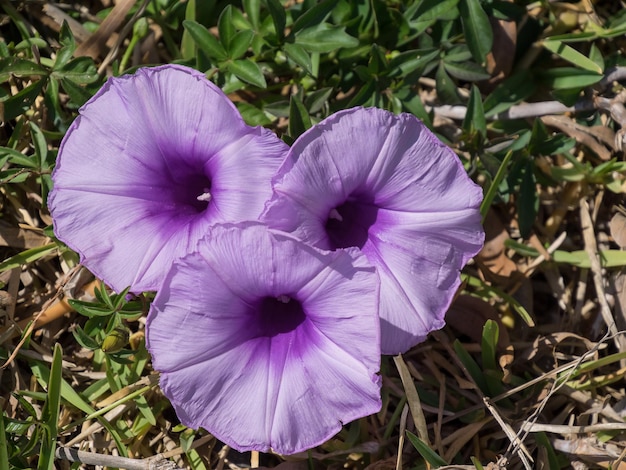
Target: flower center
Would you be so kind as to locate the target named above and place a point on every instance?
(193, 191)
(348, 224)
(278, 315)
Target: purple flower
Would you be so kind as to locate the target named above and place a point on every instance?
(267, 342)
(153, 160)
(384, 183)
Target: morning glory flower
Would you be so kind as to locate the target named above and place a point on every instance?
(266, 342)
(153, 160)
(367, 178)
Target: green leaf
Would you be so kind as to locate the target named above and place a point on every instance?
(325, 38)
(40, 144)
(446, 90)
(489, 344)
(477, 29)
(475, 117)
(299, 55)
(27, 257)
(279, 18)
(426, 452)
(314, 16)
(20, 102)
(16, 67)
(411, 61)
(252, 115)
(240, 43)
(596, 56)
(430, 10)
(50, 412)
(79, 95)
(511, 91)
(568, 77)
(299, 119)
(572, 55)
(316, 100)
(474, 369)
(187, 44)
(81, 70)
(226, 27)
(84, 339)
(17, 158)
(466, 71)
(4, 446)
(528, 200)
(253, 10)
(90, 309)
(248, 71)
(203, 38)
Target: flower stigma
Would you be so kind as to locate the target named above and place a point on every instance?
(205, 196)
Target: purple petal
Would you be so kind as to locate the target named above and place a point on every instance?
(369, 179)
(266, 342)
(153, 160)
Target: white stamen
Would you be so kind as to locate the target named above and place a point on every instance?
(334, 214)
(205, 196)
(283, 298)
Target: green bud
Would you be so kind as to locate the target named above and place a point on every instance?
(116, 340)
(140, 28)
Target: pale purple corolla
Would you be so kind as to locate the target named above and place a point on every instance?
(266, 342)
(153, 160)
(384, 183)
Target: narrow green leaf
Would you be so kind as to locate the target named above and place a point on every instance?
(240, 43)
(299, 119)
(568, 77)
(299, 55)
(4, 446)
(84, 339)
(79, 95)
(248, 71)
(90, 309)
(572, 55)
(208, 43)
(426, 452)
(226, 27)
(325, 38)
(477, 29)
(81, 70)
(475, 116)
(431, 10)
(446, 90)
(18, 158)
(50, 413)
(474, 369)
(596, 56)
(489, 344)
(493, 188)
(466, 71)
(528, 200)
(314, 16)
(27, 256)
(40, 144)
(511, 91)
(187, 44)
(316, 100)
(253, 10)
(279, 18)
(20, 102)
(14, 66)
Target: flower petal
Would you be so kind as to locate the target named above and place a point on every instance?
(385, 184)
(153, 160)
(229, 367)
